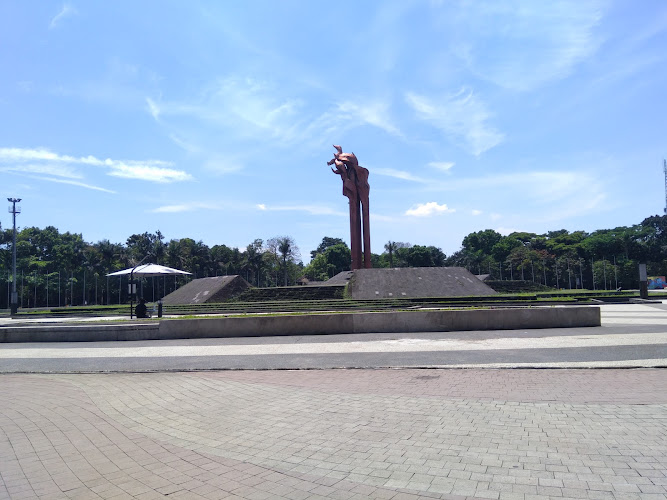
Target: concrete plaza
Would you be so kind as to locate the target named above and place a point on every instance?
(400, 434)
(348, 433)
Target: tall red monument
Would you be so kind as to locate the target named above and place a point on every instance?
(356, 188)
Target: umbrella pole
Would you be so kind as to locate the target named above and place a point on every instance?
(131, 295)
(131, 280)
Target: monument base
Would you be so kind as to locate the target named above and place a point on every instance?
(409, 282)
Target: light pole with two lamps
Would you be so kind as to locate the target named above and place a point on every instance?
(15, 297)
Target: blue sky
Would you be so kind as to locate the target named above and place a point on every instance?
(214, 120)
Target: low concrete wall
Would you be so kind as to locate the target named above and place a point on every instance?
(389, 322)
(315, 324)
(80, 333)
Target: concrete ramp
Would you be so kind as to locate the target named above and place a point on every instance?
(204, 290)
(415, 282)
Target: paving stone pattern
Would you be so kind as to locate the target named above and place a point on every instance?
(390, 434)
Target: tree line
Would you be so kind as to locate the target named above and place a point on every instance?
(603, 259)
(56, 268)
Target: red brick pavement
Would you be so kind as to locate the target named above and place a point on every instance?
(615, 386)
(308, 435)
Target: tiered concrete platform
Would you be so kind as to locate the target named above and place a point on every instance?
(202, 290)
(415, 282)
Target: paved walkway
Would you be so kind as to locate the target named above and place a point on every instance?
(631, 336)
(399, 434)
(337, 434)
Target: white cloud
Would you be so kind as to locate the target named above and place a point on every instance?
(261, 110)
(147, 172)
(523, 44)
(428, 209)
(153, 108)
(310, 209)
(245, 105)
(221, 165)
(33, 160)
(186, 207)
(374, 113)
(398, 174)
(66, 11)
(72, 183)
(183, 144)
(80, 184)
(476, 212)
(507, 230)
(462, 117)
(55, 170)
(445, 166)
(172, 209)
(543, 188)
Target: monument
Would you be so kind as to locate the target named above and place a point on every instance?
(356, 189)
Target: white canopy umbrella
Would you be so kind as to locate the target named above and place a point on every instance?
(147, 271)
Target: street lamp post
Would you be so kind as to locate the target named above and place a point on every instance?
(14, 210)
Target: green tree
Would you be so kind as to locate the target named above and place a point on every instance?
(334, 260)
(390, 247)
(419, 256)
(327, 242)
(319, 269)
(289, 253)
(254, 259)
(481, 241)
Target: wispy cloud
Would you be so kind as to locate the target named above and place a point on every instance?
(399, 174)
(445, 166)
(77, 183)
(185, 207)
(310, 209)
(45, 161)
(462, 117)
(523, 44)
(153, 108)
(183, 144)
(253, 109)
(32, 175)
(476, 212)
(221, 165)
(147, 171)
(67, 11)
(194, 206)
(505, 231)
(543, 188)
(374, 113)
(243, 104)
(55, 170)
(428, 209)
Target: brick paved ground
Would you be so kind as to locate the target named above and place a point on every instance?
(400, 434)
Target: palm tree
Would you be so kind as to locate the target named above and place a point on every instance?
(289, 252)
(390, 247)
(254, 257)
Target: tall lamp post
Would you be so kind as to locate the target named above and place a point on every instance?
(15, 297)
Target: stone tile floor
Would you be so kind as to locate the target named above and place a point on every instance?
(336, 434)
